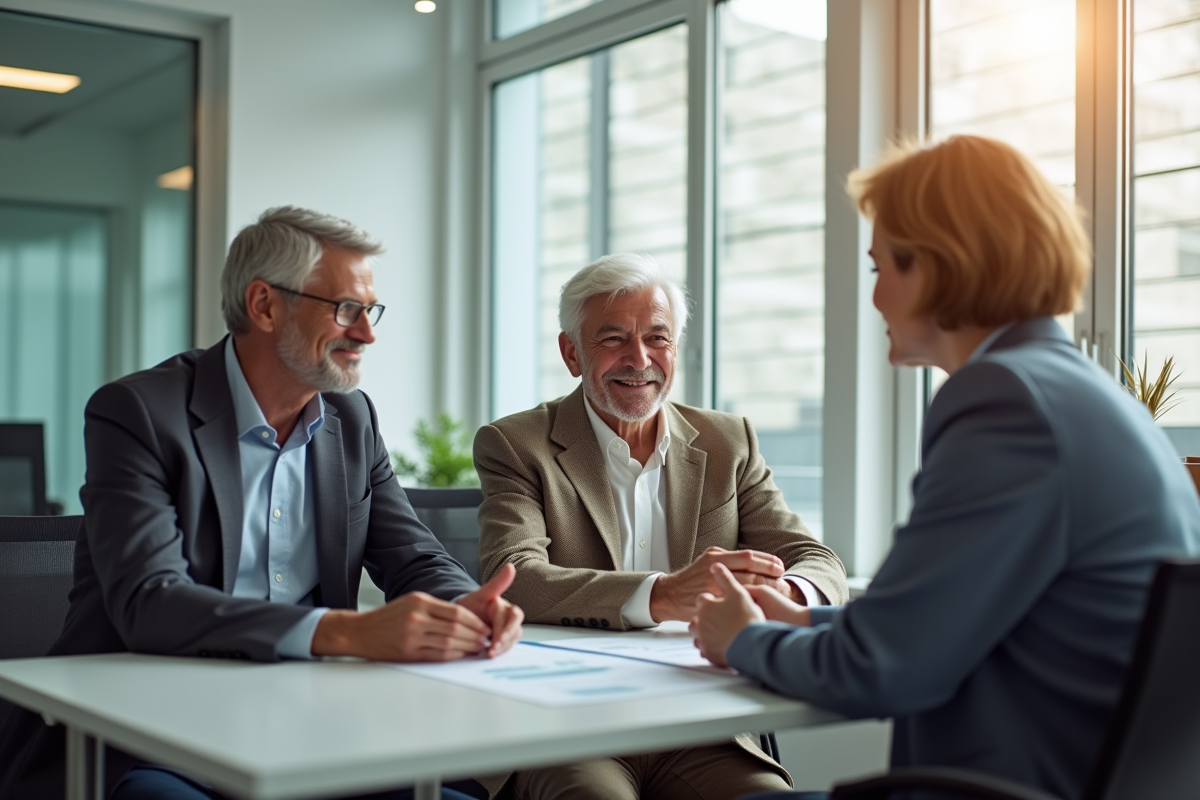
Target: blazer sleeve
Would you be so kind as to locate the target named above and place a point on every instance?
(513, 531)
(765, 523)
(985, 539)
(138, 550)
(402, 555)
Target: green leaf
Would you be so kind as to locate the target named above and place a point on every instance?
(445, 455)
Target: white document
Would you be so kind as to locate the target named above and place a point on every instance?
(556, 677)
(676, 649)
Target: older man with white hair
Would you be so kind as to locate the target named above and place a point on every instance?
(614, 503)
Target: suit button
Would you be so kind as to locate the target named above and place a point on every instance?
(594, 622)
(603, 623)
(579, 621)
(204, 654)
(566, 620)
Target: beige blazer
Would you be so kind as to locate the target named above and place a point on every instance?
(548, 510)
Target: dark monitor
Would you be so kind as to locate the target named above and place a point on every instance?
(22, 469)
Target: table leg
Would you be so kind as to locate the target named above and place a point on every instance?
(428, 790)
(85, 766)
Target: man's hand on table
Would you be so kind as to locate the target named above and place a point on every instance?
(419, 627)
(719, 619)
(674, 596)
(503, 618)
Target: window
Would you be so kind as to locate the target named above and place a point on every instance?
(1165, 286)
(1006, 70)
(770, 275)
(720, 146)
(510, 17)
(590, 158)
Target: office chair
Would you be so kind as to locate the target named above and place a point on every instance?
(22, 469)
(453, 516)
(1151, 750)
(36, 571)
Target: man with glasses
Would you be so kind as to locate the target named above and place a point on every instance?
(234, 494)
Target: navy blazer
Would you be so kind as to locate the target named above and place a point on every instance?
(157, 558)
(998, 629)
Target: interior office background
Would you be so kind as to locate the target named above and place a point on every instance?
(497, 147)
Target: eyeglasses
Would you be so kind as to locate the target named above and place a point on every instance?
(347, 312)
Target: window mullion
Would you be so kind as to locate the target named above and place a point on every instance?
(698, 344)
(1102, 164)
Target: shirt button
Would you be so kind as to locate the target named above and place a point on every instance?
(643, 543)
(278, 577)
(266, 434)
(277, 513)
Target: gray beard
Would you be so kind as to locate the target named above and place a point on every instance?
(326, 375)
(602, 399)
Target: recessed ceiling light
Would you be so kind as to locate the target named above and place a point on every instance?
(55, 82)
(425, 6)
(180, 179)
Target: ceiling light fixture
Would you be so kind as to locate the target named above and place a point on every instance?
(180, 179)
(37, 81)
(425, 6)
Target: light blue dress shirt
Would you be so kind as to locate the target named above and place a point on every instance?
(278, 561)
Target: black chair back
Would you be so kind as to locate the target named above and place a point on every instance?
(22, 468)
(36, 570)
(1152, 750)
(453, 516)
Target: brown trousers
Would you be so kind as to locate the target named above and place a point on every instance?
(717, 772)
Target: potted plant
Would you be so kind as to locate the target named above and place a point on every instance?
(445, 460)
(1158, 398)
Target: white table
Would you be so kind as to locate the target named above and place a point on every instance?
(312, 729)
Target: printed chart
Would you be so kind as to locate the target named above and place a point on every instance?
(557, 677)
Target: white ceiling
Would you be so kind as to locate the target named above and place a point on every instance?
(130, 81)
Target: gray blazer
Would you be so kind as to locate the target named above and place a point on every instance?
(999, 627)
(156, 561)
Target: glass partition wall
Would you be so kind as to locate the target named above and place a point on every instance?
(96, 223)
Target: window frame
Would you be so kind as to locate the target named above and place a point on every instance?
(877, 90)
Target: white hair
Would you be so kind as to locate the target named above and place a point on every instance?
(614, 275)
(283, 247)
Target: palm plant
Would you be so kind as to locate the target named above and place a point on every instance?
(1154, 394)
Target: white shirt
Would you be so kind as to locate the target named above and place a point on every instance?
(640, 496)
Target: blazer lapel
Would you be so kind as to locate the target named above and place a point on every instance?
(685, 489)
(583, 464)
(328, 465)
(216, 441)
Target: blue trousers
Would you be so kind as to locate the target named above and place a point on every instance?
(148, 782)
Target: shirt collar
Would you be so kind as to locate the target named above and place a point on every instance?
(988, 341)
(249, 416)
(607, 437)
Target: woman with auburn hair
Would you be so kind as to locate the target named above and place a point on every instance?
(998, 628)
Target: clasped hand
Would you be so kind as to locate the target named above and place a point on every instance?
(420, 627)
(721, 616)
(674, 596)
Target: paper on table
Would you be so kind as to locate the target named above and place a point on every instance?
(555, 677)
(675, 649)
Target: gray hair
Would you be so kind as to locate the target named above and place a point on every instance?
(614, 275)
(283, 247)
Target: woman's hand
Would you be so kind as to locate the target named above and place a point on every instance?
(719, 619)
(779, 608)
